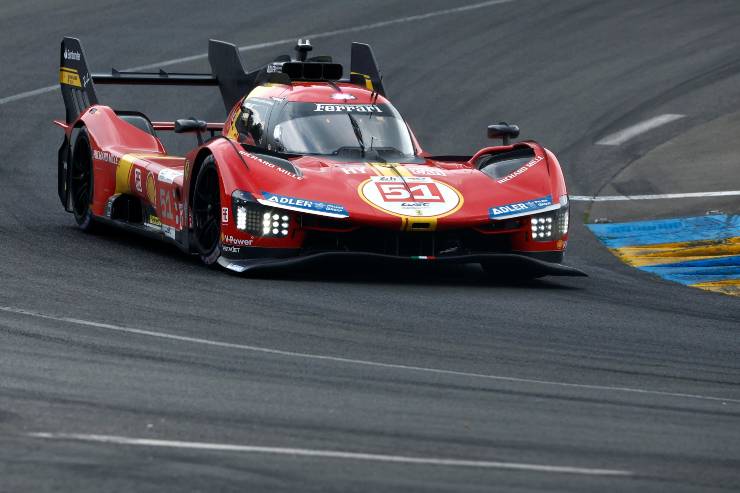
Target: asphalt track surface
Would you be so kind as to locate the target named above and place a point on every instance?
(620, 372)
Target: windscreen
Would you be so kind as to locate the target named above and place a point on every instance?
(344, 130)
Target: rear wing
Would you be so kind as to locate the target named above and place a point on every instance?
(78, 84)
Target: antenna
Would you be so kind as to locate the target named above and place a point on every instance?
(376, 91)
(302, 48)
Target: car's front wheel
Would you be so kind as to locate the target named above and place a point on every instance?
(207, 212)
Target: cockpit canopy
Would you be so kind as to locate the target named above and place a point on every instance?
(341, 128)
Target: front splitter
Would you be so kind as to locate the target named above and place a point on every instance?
(508, 263)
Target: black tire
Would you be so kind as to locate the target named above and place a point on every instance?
(81, 182)
(206, 208)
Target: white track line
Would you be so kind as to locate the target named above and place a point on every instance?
(628, 133)
(331, 454)
(337, 359)
(269, 44)
(611, 198)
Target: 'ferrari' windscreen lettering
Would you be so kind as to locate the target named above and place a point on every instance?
(361, 108)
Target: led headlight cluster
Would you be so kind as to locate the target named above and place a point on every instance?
(258, 219)
(248, 217)
(551, 225)
(241, 218)
(542, 227)
(275, 224)
(563, 220)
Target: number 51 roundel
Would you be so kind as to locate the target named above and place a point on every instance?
(410, 196)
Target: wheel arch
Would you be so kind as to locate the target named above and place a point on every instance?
(233, 174)
(203, 154)
(557, 177)
(232, 170)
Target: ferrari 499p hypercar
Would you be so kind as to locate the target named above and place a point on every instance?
(308, 165)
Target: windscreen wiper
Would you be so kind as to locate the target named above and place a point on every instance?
(377, 153)
(358, 132)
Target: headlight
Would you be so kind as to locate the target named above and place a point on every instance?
(258, 219)
(551, 225)
(274, 223)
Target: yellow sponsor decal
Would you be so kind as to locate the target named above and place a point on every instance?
(409, 223)
(390, 169)
(70, 77)
(123, 173)
(401, 170)
(383, 169)
(368, 81)
(154, 220)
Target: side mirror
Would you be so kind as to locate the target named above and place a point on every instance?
(184, 125)
(504, 131)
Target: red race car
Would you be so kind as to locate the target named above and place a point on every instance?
(307, 166)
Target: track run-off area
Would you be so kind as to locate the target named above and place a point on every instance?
(125, 365)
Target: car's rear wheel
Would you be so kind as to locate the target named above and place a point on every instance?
(207, 212)
(81, 183)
